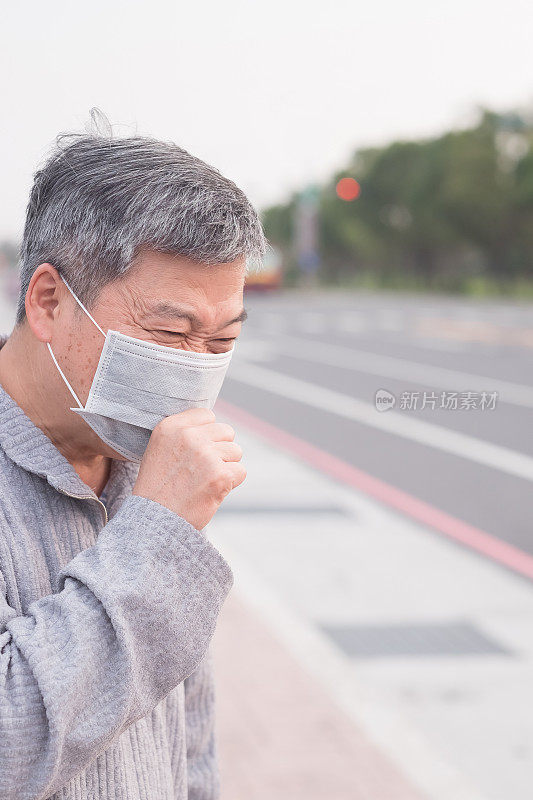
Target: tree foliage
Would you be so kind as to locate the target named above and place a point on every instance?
(441, 209)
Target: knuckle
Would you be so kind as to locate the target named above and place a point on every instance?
(203, 415)
(188, 435)
(161, 426)
(160, 431)
(166, 425)
(228, 431)
(220, 484)
(192, 439)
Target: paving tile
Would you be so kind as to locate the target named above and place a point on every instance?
(280, 736)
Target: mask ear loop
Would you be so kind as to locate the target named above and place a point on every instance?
(69, 387)
(81, 304)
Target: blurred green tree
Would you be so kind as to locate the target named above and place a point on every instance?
(435, 212)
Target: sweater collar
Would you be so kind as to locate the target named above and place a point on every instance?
(30, 448)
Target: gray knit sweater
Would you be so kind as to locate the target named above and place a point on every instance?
(106, 615)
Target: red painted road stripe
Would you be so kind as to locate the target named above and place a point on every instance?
(474, 538)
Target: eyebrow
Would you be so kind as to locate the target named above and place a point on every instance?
(170, 310)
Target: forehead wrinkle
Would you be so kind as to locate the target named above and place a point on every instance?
(175, 312)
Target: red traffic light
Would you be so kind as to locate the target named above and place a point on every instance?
(348, 189)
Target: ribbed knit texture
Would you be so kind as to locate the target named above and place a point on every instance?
(106, 685)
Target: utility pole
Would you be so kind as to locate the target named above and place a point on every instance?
(306, 235)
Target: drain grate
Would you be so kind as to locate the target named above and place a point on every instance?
(436, 639)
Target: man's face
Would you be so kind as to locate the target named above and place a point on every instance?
(164, 299)
(171, 301)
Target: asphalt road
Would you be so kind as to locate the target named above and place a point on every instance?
(311, 364)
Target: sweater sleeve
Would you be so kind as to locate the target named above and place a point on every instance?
(203, 779)
(132, 618)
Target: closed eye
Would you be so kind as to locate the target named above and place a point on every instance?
(162, 332)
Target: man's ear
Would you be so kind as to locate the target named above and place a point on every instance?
(45, 292)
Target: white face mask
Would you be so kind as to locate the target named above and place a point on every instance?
(137, 384)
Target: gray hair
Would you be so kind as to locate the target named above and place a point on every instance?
(98, 201)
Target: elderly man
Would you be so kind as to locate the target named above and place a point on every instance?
(111, 464)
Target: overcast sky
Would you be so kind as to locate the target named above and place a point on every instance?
(275, 93)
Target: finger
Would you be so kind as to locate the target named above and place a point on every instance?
(237, 472)
(191, 417)
(219, 432)
(228, 451)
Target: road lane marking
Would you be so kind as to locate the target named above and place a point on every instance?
(351, 323)
(491, 455)
(468, 535)
(312, 322)
(389, 320)
(448, 346)
(474, 330)
(404, 369)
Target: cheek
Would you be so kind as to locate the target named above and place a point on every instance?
(83, 353)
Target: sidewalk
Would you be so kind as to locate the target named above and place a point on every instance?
(317, 695)
(280, 736)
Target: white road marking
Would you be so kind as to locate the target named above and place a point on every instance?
(405, 370)
(311, 322)
(389, 320)
(350, 323)
(491, 455)
(260, 349)
(446, 346)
